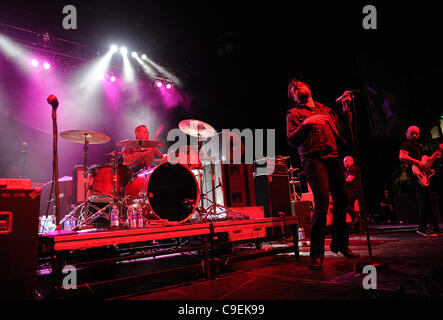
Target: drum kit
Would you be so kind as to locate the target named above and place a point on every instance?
(169, 192)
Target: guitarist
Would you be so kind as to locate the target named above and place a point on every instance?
(410, 154)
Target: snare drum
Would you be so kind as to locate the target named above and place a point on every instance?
(171, 191)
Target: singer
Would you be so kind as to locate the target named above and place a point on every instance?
(314, 129)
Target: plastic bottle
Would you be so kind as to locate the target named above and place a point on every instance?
(139, 218)
(301, 234)
(114, 216)
(131, 217)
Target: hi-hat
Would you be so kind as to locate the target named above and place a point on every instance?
(82, 136)
(196, 128)
(139, 144)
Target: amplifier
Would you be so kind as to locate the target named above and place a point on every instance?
(8, 183)
(237, 186)
(267, 166)
(19, 210)
(273, 193)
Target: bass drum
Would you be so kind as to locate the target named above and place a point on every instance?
(171, 190)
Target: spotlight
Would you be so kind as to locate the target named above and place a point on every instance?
(112, 79)
(159, 84)
(114, 48)
(134, 54)
(34, 63)
(144, 57)
(46, 65)
(168, 86)
(123, 50)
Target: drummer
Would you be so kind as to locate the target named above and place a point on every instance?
(140, 158)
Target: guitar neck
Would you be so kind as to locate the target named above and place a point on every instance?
(434, 156)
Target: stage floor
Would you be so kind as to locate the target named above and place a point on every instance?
(408, 266)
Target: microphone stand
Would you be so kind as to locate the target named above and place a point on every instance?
(52, 100)
(348, 112)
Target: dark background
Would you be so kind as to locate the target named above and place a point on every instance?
(236, 58)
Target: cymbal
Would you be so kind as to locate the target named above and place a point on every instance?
(139, 144)
(196, 128)
(79, 136)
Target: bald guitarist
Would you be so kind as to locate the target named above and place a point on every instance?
(419, 173)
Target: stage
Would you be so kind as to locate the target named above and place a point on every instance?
(409, 267)
(206, 241)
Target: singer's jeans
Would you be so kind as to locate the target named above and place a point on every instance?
(326, 176)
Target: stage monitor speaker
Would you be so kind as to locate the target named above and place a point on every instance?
(237, 186)
(65, 195)
(19, 211)
(407, 208)
(273, 193)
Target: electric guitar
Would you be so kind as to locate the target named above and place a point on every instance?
(424, 175)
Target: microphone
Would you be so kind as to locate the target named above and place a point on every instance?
(52, 100)
(346, 94)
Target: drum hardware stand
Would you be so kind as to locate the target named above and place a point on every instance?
(85, 204)
(293, 181)
(115, 201)
(212, 209)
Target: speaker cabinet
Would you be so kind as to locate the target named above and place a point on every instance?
(234, 185)
(19, 211)
(47, 199)
(273, 193)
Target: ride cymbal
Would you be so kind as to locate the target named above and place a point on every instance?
(81, 136)
(197, 128)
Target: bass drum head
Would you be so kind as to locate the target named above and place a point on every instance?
(173, 192)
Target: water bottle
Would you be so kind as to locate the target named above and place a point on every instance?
(114, 216)
(67, 224)
(131, 217)
(41, 220)
(44, 224)
(139, 218)
(72, 223)
(301, 234)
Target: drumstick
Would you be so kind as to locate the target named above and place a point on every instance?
(158, 132)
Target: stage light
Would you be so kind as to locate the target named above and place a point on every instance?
(134, 54)
(159, 84)
(34, 63)
(144, 57)
(164, 72)
(168, 86)
(114, 48)
(112, 79)
(46, 65)
(123, 50)
(147, 69)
